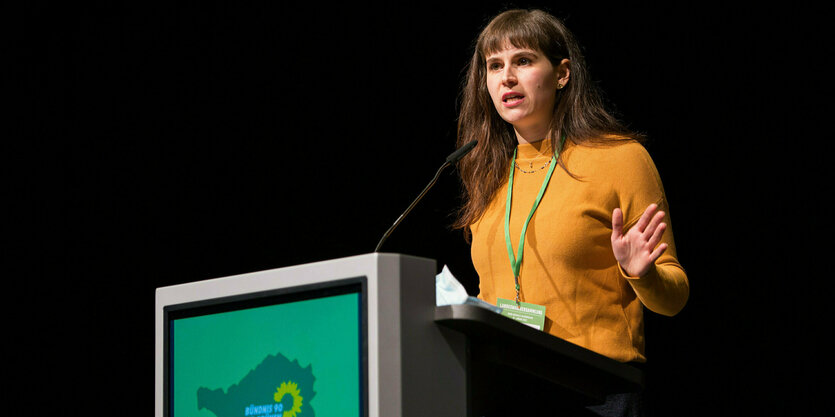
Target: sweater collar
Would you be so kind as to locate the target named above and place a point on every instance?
(536, 150)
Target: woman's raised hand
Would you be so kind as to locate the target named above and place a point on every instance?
(636, 250)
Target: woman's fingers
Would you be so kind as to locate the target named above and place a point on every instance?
(642, 223)
(655, 239)
(641, 246)
(657, 252)
(617, 223)
(654, 223)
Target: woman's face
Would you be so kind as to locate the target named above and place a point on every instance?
(523, 86)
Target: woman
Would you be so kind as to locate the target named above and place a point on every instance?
(586, 206)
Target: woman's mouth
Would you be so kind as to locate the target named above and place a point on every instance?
(512, 99)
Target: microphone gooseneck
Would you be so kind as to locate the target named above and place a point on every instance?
(451, 159)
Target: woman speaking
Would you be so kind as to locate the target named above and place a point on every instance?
(563, 205)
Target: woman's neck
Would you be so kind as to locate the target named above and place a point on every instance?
(530, 135)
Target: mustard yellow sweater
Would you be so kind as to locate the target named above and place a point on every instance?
(568, 264)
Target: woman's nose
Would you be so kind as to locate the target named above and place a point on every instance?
(509, 77)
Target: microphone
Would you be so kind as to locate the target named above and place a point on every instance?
(459, 153)
(451, 159)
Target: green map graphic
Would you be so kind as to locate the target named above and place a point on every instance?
(229, 361)
(258, 388)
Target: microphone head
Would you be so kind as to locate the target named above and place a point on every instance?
(460, 152)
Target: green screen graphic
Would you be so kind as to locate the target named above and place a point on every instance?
(298, 359)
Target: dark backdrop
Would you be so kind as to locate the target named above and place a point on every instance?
(169, 142)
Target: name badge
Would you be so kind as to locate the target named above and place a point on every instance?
(526, 313)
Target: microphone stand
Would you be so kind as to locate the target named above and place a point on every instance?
(411, 206)
(451, 159)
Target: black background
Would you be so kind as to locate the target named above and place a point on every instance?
(159, 143)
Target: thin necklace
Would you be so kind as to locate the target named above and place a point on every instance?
(532, 170)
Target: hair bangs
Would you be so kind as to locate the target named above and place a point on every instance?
(501, 36)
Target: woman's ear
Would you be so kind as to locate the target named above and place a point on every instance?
(563, 73)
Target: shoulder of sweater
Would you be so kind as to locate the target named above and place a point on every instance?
(619, 156)
(623, 148)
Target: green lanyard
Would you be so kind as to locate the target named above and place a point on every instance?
(516, 261)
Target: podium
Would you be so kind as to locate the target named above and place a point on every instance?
(360, 335)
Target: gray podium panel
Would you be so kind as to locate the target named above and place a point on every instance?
(410, 366)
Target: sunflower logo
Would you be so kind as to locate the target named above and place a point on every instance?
(292, 389)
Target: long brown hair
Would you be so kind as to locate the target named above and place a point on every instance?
(579, 113)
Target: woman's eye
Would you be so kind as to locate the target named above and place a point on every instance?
(494, 66)
(524, 61)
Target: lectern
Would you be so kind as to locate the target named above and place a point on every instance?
(358, 336)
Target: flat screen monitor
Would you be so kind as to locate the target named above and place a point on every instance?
(288, 352)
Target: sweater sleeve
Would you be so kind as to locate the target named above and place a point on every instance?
(665, 288)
